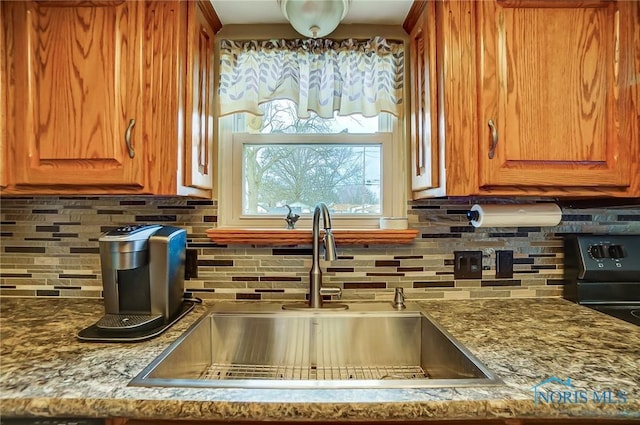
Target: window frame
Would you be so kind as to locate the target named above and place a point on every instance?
(233, 135)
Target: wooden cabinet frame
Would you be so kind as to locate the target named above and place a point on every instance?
(427, 154)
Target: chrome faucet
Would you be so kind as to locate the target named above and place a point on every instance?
(329, 243)
(315, 275)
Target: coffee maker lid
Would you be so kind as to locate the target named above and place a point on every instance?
(130, 233)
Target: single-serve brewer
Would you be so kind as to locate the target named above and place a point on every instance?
(143, 282)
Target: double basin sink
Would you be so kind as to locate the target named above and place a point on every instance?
(368, 345)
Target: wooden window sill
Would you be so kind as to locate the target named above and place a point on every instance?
(278, 237)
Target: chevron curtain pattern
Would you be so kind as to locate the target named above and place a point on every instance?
(319, 75)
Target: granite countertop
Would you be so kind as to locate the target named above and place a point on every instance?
(46, 371)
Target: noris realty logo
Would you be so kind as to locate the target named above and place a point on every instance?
(555, 390)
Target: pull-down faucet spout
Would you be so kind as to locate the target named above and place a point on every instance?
(315, 274)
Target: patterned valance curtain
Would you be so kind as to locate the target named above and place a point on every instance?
(319, 75)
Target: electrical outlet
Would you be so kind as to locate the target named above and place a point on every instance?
(467, 264)
(504, 264)
(191, 264)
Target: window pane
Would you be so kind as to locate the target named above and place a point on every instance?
(344, 176)
(280, 116)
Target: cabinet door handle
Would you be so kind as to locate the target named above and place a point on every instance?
(127, 138)
(494, 138)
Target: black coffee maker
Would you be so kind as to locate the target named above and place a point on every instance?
(143, 282)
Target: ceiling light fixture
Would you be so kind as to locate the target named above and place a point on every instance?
(314, 18)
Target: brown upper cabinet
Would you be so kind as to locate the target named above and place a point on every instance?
(179, 37)
(200, 100)
(4, 179)
(75, 104)
(98, 95)
(540, 97)
(427, 171)
(555, 92)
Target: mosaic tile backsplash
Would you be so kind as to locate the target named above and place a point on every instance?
(49, 248)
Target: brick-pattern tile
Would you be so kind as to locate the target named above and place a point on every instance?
(49, 248)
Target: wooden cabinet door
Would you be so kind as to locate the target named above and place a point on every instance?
(425, 147)
(556, 80)
(4, 180)
(76, 70)
(198, 158)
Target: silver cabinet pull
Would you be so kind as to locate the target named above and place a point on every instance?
(494, 138)
(127, 137)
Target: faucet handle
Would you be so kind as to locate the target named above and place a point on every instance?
(332, 291)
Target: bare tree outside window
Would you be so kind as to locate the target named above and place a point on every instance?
(346, 176)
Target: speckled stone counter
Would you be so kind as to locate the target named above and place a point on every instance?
(46, 371)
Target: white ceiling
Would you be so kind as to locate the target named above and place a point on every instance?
(381, 12)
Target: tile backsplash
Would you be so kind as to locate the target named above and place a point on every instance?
(49, 248)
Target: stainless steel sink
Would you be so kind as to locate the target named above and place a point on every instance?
(361, 347)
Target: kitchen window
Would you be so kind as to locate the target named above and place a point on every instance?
(287, 151)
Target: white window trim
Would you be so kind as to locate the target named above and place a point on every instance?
(394, 200)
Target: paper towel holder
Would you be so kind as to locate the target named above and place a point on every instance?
(515, 215)
(472, 215)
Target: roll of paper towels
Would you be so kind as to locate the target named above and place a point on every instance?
(515, 215)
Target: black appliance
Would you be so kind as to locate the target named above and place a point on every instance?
(603, 272)
(143, 282)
